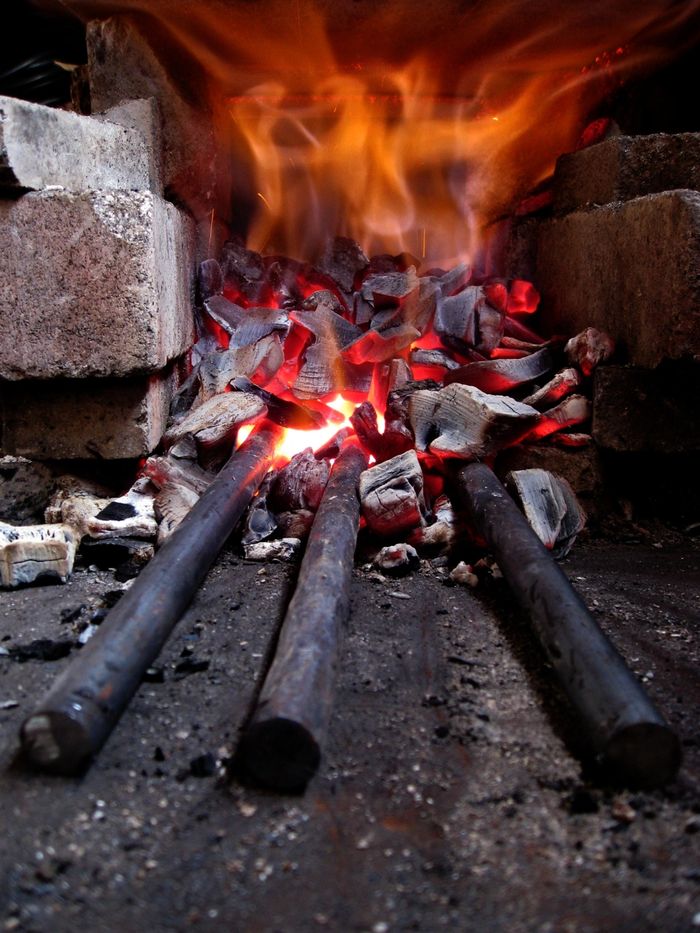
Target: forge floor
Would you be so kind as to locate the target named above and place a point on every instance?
(451, 794)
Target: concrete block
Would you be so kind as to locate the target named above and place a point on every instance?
(42, 146)
(631, 269)
(637, 410)
(68, 419)
(142, 116)
(96, 283)
(625, 167)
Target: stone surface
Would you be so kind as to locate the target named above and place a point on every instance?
(42, 146)
(637, 409)
(142, 116)
(94, 284)
(24, 490)
(630, 269)
(108, 419)
(626, 167)
(124, 66)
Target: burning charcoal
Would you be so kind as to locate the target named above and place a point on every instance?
(185, 396)
(503, 375)
(300, 484)
(217, 420)
(185, 450)
(172, 504)
(210, 280)
(243, 270)
(344, 260)
(363, 310)
(560, 385)
(283, 549)
(550, 506)
(496, 295)
(570, 439)
(384, 263)
(436, 358)
(326, 325)
(514, 328)
(331, 449)
(455, 318)
(259, 323)
(283, 282)
(386, 290)
(111, 552)
(464, 574)
(295, 524)
(375, 347)
(129, 516)
(453, 281)
(573, 410)
(442, 534)
(391, 495)
(523, 297)
(322, 370)
(226, 314)
(397, 560)
(490, 324)
(462, 421)
(364, 421)
(260, 361)
(418, 308)
(389, 376)
(588, 349)
(287, 414)
(259, 523)
(170, 470)
(323, 297)
(32, 552)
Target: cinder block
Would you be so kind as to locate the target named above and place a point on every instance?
(637, 410)
(42, 146)
(631, 269)
(93, 284)
(142, 116)
(68, 419)
(626, 167)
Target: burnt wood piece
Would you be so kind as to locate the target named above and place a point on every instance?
(436, 358)
(391, 495)
(331, 449)
(377, 346)
(322, 370)
(504, 374)
(259, 523)
(214, 423)
(575, 409)
(560, 385)
(288, 414)
(299, 484)
(588, 349)
(260, 360)
(75, 718)
(385, 291)
(226, 314)
(624, 729)
(550, 506)
(418, 308)
(243, 270)
(344, 260)
(257, 324)
(281, 746)
(468, 320)
(210, 279)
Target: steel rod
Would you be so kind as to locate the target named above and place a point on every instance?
(281, 746)
(76, 716)
(624, 728)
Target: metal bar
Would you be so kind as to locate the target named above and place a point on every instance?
(281, 746)
(75, 718)
(625, 730)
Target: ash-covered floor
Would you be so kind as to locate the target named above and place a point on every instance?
(450, 794)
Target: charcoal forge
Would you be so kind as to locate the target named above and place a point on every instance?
(348, 542)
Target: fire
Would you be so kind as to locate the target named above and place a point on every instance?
(294, 441)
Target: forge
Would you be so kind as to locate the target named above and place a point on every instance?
(386, 318)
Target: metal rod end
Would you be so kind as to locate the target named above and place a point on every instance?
(280, 754)
(644, 755)
(54, 741)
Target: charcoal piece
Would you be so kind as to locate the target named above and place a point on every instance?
(344, 260)
(323, 370)
(111, 552)
(502, 375)
(288, 414)
(42, 649)
(331, 449)
(189, 666)
(444, 532)
(282, 549)
(364, 421)
(299, 484)
(326, 325)
(553, 391)
(323, 297)
(283, 282)
(386, 318)
(203, 766)
(454, 280)
(169, 470)
(550, 506)
(184, 452)
(226, 314)
(295, 524)
(391, 495)
(388, 376)
(214, 424)
(260, 361)
(437, 358)
(523, 297)
(185, 396)
(397, 560)
(386, 290)
(259, 523)
(243, 269)
(490, 324)
(455, 317)
(496, 294)
(512, 327)
(589, 349)
(29, 553)
(210, 279)
(375, 347)
(173, 503)
(363, 310)
(575, 409)
(418, 308)
(462, 421)
(258, 323)
(117, 512)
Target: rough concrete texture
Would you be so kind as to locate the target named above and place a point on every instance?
(637, 409)
(105, 419)
(450, 795)
(626, 167)
(630, 269)
(95, 284)
(143, 116)
(42, 146)
(124, 66)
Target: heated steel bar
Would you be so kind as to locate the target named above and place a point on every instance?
(75, 718)
(625, 730)
(281, 746)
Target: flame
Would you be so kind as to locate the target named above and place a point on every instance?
(294, 441)
(407, 126)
